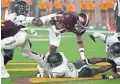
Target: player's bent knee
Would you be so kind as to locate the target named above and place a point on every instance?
(26, 55)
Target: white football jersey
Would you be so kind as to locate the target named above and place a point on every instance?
(19, 20)
(117, 60)
(111, 39)
(66, 69)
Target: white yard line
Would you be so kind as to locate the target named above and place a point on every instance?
(101, 31)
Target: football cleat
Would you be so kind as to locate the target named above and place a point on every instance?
(5, 74)
(92, 37)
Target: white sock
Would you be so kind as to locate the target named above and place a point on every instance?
(36, 57)
(3, 69)
(100, 36)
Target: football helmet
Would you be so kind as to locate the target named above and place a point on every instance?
(114, 50)
(82, 23)
(21, 8)
(83, 19)
(54, 60)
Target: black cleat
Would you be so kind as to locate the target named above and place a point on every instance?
(92, 37)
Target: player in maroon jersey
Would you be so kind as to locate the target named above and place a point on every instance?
(67, 22)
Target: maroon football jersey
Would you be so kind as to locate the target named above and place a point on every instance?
(8, 29)
(70, 19)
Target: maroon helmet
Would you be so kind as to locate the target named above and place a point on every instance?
(84, 19)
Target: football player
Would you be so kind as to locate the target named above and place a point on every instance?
(65, 22)
(14, 32)
(108, 40)
(114, 54)
(58, 66)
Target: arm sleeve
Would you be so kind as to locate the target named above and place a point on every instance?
(46, 19)
(29, 19)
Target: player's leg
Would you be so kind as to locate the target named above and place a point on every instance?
(98, 35)
(8, 55)
(14, 41)
(4, 73)
(98, 60)
(87, 72)
(54, 41)
(26, 51)
(83, 70)
(102, 69)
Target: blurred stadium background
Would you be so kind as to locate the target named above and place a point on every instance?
(99, 11)
(101, 20)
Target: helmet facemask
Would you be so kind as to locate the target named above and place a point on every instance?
(114, 50)
(21, 8)
(112, 55)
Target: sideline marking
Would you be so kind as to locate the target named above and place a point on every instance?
(41, 80)
(19, 63)
(23, 69)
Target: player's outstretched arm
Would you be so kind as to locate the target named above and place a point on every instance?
(37, 22)
(80, 46)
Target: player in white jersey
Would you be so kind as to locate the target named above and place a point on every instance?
(20, 38)
(109, 41)
(58, 66)
(114, 54)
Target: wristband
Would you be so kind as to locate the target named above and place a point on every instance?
(81, 49)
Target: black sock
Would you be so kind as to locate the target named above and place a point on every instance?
(6, 59)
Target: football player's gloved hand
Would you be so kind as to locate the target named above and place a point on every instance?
(52, 75)
(39, 74)
(40, 71)
(106, 77)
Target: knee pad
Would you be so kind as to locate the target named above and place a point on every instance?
(9, 53)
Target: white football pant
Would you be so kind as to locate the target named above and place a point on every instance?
(54, 39)
(21, 40)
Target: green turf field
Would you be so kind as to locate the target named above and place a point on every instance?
(70, 49)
